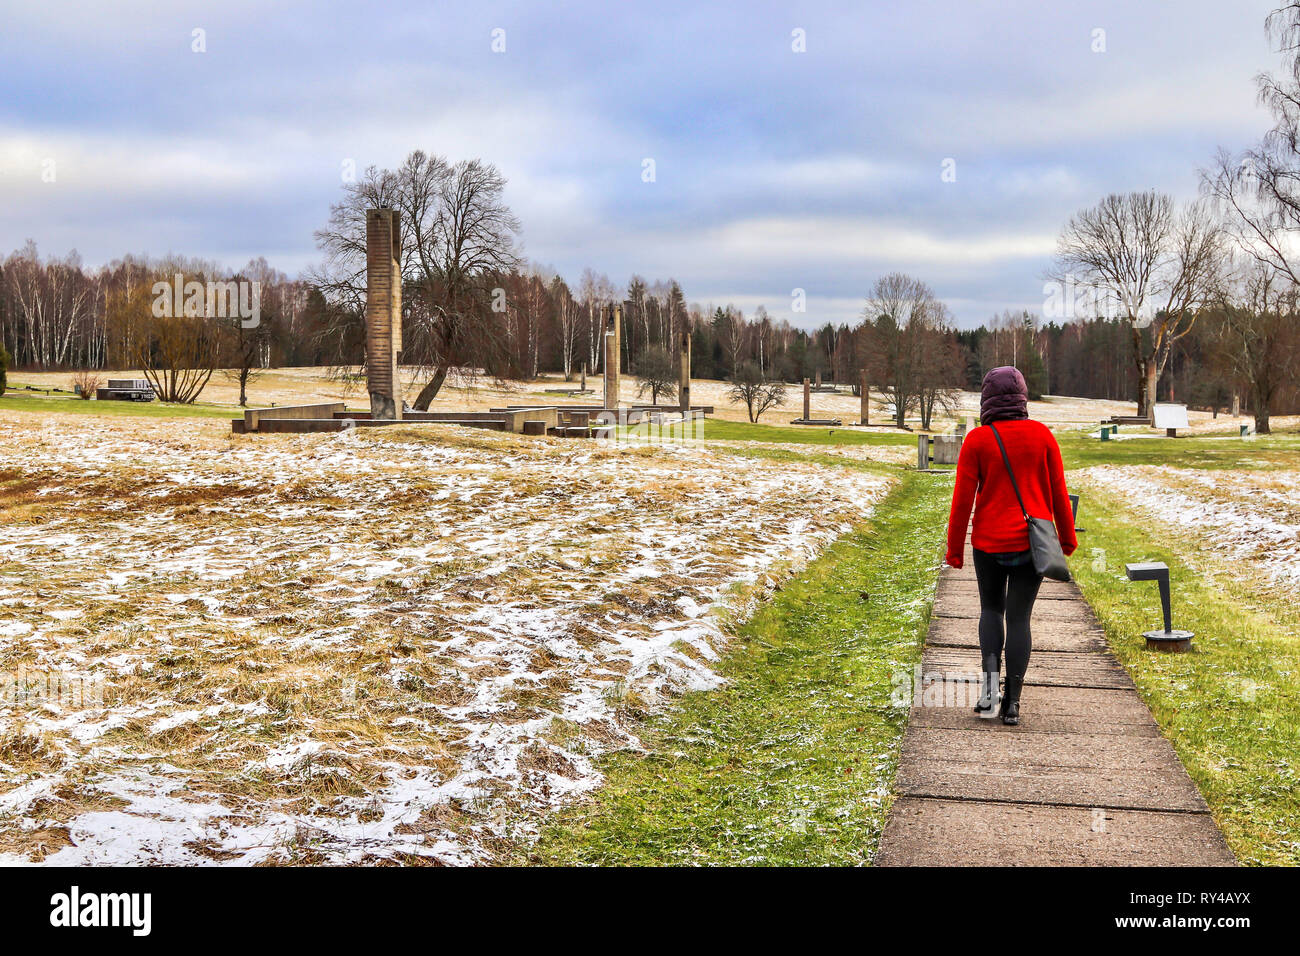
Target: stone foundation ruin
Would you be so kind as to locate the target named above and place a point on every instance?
(384, 343)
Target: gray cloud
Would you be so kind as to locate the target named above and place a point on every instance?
(775, 169)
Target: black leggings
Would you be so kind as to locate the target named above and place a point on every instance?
(1007, 593)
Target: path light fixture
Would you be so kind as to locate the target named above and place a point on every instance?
(1168, 640)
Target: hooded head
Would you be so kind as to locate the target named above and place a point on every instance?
(1003, 395)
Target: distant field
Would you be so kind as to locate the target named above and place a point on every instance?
(722, 429)
(287, 386)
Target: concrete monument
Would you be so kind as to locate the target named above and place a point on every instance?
(684, 370)
(383, 312)
(613, 353)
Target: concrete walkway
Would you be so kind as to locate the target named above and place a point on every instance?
(1085, 780)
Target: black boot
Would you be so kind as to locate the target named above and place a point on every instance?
(1010, 712)
(988, 699)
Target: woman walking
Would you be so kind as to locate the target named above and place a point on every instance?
(1004, 566)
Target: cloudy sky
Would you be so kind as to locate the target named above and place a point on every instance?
(773, 169)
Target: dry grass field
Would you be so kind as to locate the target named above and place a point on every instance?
(396, 644)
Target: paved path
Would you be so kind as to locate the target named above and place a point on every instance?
(1086, 779)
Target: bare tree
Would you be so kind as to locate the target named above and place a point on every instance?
(244, 349)
(762, 338)
(458, 236)
(1256, 337)
(566, 318)
(180, 357)
(596, 292)
(53, 303)
(898, 311)
(1157, 264)
(1254, 330)
(536, 301)
(1260, 189)
(941, 364)
(176, 353)
(752, 388)
(731, 330)
(656, 373)
(85, 384)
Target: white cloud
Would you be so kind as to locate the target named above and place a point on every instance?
(823, 240)
(776, 171)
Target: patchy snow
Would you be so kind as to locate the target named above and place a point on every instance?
(412, 641)
(1248, 516)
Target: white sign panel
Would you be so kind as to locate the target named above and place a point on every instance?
(1165, 415)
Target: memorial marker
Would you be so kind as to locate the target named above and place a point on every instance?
(383, 312)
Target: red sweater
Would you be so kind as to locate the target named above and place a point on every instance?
(999, 526)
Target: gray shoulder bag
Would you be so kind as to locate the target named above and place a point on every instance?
(1044, 544)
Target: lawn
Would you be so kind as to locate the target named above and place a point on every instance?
(24, 401)
(717, 428)
(881, 452)
(767, 453)
(1224, 451)
(1232, 707)
(790, 762)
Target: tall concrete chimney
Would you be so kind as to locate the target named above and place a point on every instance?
(383, 311)
(684, 370)
(613, 353)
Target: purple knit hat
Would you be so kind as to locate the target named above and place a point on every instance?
(1003, 395)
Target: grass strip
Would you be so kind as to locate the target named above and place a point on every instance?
(17, 401)
(1232, 707)
(721, 428)
(790, 763)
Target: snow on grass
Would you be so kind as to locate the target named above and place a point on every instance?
(1247, 516)
(386, 644)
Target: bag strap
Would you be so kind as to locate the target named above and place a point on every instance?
(1007, 461)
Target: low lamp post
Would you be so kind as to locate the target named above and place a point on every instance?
(1168, 640)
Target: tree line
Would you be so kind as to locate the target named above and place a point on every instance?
(1147, 299)
(56, 314)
